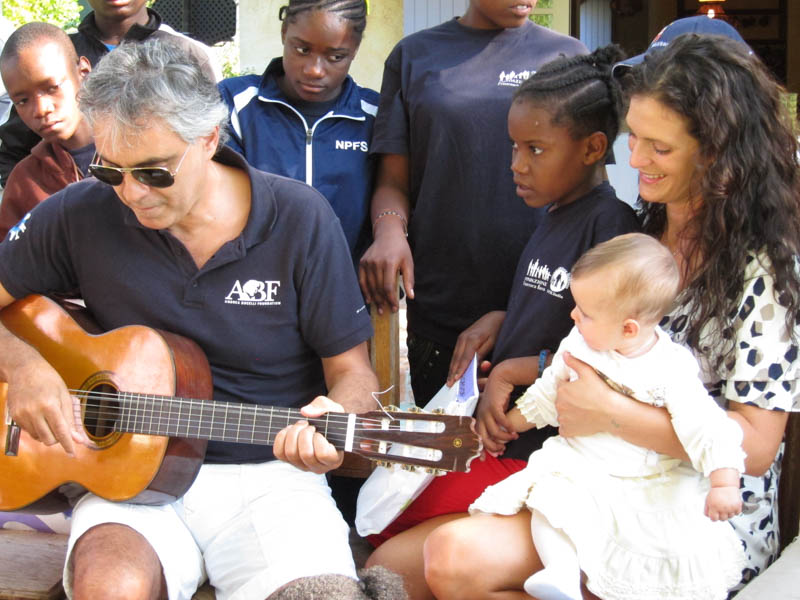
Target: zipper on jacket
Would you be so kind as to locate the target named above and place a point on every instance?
(310, 131)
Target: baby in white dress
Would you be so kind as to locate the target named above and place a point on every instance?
(639, 524)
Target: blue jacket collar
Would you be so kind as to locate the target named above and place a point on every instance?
(348, 103)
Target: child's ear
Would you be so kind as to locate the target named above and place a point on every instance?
(84, 68)
(630, 328)
(595, 147)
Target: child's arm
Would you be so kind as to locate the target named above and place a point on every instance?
(724, 499)
(493, 425)
(712, 439)
(518, 421)
(538, 404)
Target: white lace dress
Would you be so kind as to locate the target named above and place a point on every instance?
(636, 517)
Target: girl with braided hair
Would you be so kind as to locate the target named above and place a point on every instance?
(305, 117)
(562, 122)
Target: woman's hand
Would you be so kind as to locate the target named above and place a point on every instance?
(583, 404)
(588, 405)
(479, 338)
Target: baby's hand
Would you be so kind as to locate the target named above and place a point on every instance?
(723, 502)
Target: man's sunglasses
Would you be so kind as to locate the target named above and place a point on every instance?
(159, 177)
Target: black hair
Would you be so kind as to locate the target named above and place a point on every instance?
(31, 34)
(351, 10)
(579, 92)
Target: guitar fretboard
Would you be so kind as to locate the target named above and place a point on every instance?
(215, 420)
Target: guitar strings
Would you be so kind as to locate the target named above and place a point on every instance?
(157, 417)
(364, 440)
(134, 397)
(363, 437)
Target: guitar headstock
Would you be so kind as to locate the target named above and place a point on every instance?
(435, 441)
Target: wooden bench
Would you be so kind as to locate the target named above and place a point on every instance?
(31, 562)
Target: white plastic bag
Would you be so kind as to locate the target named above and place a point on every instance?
(389, 490)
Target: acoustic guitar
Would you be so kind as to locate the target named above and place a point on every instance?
(145, 403)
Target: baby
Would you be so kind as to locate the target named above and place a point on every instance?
(639, 524)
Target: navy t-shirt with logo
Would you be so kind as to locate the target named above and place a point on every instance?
(541, 301)
(444, 103)
(264, 308)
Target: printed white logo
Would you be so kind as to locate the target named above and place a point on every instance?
(254, 293)
(540, 278)
(513, 79)
(348, 145)
(18, 229)
(560, 280)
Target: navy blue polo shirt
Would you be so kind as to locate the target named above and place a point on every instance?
(264, 308)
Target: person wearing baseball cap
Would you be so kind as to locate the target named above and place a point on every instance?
(700, 24)
(624, 179)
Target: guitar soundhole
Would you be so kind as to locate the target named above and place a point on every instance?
(101, 412)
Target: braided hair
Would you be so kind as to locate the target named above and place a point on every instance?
(579, 92)
(354, 11)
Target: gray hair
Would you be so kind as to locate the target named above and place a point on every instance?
(139, 82)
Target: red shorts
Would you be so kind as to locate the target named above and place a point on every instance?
(449, 494)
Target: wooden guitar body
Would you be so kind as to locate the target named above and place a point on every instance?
(149, 469)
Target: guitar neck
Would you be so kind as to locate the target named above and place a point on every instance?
(215, 420)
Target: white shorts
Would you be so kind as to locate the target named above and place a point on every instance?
(249, 528)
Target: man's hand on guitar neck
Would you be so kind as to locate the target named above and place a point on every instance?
(301, 445)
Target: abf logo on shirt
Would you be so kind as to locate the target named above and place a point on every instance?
(254, 293)
(539, 277)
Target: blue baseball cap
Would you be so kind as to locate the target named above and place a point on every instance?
(698, 24)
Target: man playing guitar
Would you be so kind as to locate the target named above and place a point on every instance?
(176, 232)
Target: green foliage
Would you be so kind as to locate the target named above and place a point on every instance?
(228, 54)
(62, 13)
(543, 20)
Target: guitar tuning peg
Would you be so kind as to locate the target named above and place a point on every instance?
(408, 467)
(414, 409)
(391, 408)
(435, 471)
(438, 411)
(382, 463)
